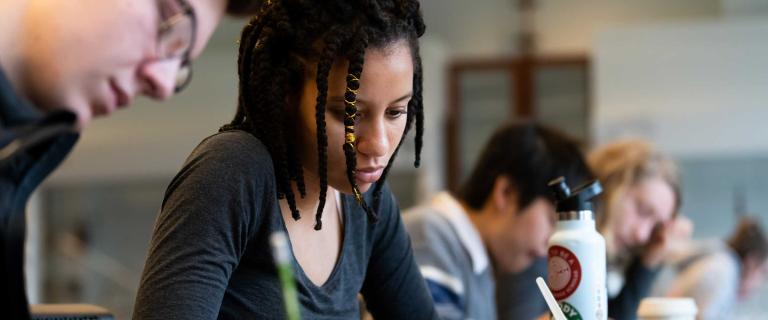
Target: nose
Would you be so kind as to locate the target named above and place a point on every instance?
(373, 140)
(643, 232)
(158, 78)
(543, 244)
(541, 249)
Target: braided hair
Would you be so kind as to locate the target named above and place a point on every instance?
(275, 49)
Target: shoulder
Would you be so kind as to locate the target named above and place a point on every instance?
(722, 264)
(230, 154)
(234, 147)
(426, 224)
(435, 241)
(231, 163)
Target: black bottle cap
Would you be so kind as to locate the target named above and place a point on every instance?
(578, 199)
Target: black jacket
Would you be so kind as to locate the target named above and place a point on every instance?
(32, 145)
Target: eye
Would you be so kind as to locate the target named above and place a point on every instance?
(339, 113)
(644, 210)
(397, 112)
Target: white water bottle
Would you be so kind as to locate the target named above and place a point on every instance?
(576, 255)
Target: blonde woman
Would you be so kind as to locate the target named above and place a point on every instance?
(637, 215)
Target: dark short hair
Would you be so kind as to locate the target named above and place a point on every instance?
(244, 7)
(748, 240)
(529, 155)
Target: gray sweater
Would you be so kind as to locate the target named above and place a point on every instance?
(210, 257)
(452, 259)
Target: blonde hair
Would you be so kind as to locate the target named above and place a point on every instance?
(619, 166)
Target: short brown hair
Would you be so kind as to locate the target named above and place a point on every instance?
(244, 7)
(748, 240)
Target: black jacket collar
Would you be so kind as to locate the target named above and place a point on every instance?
(14, 110)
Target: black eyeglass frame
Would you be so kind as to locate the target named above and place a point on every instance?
(167, 24)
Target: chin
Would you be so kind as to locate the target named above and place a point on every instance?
(516, 266)
(347, 189)
(364, 187)
(520, 268)
(83, 119)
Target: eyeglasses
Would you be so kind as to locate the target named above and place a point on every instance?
(176, 37)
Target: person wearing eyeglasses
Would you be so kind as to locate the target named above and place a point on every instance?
(63, 63)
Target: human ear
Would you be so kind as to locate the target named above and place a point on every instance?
(504, 194)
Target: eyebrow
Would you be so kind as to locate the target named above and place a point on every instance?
(364, 102)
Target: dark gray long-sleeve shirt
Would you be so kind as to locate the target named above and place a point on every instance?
(210, 257)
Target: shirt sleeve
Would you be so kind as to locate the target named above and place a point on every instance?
(208, 216)
(712, 282)
(433, 244)
(639, 280)
(393, 286)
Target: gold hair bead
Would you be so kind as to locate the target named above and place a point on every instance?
(351, 90)
(350, 138)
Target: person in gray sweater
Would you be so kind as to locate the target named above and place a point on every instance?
(500, 220)
(718, 274)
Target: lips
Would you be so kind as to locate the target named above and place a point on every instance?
(620, 243)
(368, 174)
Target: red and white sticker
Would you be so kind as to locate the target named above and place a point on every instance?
(564, 273)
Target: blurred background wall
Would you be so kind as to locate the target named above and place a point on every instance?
(690, 75)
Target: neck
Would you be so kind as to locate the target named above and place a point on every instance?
(307, 206)
(12, 14)
(488, 228)
(479, 219)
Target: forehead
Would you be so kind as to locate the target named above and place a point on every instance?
(657, 195)
(208, 14)
(540, 207)
(390, 67)
(310, 62)
(393, 60)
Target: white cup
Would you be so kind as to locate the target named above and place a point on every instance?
(657, 308)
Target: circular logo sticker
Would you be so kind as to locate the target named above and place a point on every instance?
(564, 273)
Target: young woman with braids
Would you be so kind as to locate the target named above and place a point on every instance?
(328, 91)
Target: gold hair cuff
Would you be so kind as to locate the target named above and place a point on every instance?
(350, 138)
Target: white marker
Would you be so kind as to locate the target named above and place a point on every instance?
(551, 302)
